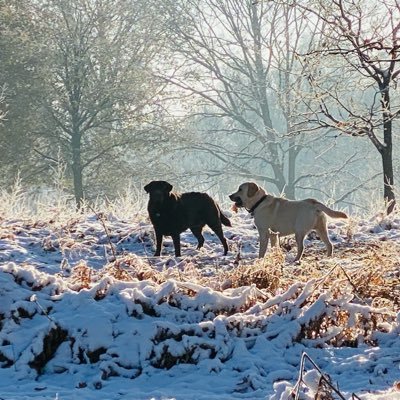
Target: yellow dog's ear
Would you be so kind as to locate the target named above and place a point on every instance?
(252, 189)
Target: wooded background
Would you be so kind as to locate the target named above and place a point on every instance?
(302, 97)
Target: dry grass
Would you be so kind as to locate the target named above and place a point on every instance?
(266, 274)
(81, 277)
(371, 271)
(131, 267)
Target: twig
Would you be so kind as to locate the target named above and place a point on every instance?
(262, 294)
(324, 379)
(35, 300)
(353, 285)
(100, 218)
(305, 356)
(326, 276)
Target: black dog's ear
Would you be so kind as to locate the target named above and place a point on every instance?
(147, 188)
(168, 186)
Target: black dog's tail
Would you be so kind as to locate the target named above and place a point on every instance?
(224, 219)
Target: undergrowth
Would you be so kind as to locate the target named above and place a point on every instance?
(55, 204)
(355, 294)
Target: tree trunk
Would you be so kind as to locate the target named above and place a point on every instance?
(386, 150)
(260, 94)
(388, 180)
(279, 177)
(293, 152)
(77, 170)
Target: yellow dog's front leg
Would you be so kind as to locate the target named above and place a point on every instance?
(264, 238)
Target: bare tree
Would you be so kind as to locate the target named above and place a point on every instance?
(366, 35)
(101, 90)
(238, 60)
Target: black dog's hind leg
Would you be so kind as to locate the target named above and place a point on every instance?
(218, 231)
(159, 242)
(177, 244)
(196, 230)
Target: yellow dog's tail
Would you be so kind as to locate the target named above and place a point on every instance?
(328, 211)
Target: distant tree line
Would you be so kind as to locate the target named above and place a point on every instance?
(80, 90)
(210, 92)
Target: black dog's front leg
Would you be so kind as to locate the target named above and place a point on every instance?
(159, 242)
(177, 244)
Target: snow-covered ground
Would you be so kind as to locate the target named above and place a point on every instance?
(86, 312)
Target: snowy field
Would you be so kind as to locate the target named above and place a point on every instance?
(87, 313)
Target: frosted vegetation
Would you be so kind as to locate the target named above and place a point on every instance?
(97, 98)
(86, 309)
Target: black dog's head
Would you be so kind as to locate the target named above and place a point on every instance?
(158, 191)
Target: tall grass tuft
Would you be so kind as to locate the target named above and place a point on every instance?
(128, 203)
(56, 204)
(13, 203)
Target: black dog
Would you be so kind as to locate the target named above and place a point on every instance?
(172, 213)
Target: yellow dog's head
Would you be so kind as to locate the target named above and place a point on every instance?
(248, 194)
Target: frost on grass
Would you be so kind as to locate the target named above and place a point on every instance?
(93, 305)
(127, 327)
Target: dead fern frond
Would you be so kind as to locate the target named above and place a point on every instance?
(80, 277)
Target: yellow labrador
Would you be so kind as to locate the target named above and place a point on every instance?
(275, 216)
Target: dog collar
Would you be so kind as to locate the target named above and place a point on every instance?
(252, 209)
